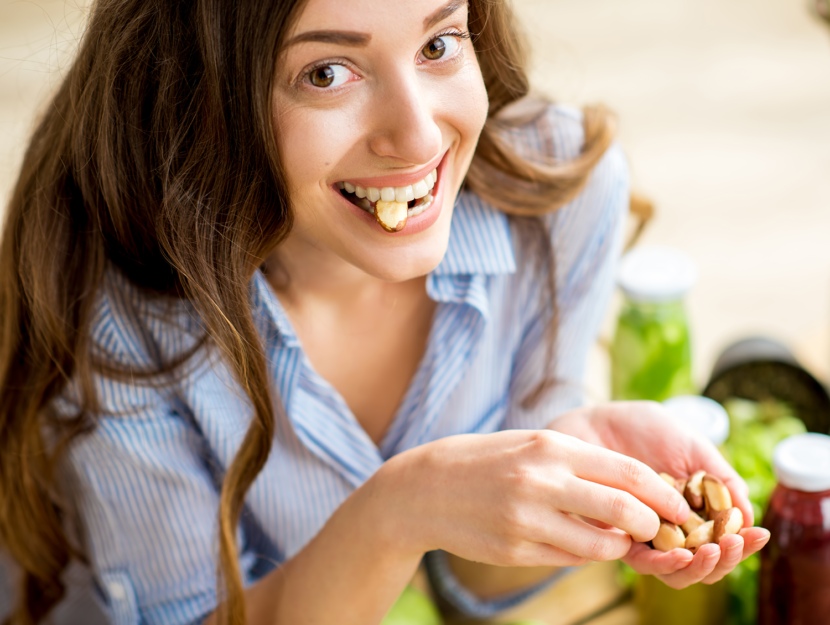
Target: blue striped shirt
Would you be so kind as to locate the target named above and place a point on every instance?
(146, 481)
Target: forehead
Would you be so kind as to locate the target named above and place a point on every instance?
(373, 16)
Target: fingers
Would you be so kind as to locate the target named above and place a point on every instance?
(541, 554)
(647, 561)
(609, 468)
(754, 539)
(735, 548)
(709, 565)
(613, 507)
(583, 540)
(702, 565)
(731, 553)
(740, 497)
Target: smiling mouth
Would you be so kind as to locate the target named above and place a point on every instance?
(417, 197)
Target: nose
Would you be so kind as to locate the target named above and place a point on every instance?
(405, 128)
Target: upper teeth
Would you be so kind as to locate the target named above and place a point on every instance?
(394, 194)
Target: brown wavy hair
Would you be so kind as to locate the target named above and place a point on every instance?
(157, 155)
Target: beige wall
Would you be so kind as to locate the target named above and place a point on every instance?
(725, 114)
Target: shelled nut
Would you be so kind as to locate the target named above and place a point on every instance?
(692, 523)
(391, 215)
(716, 495)
(727, 522)
(701, 536)
(669, 479)
(703, 492)
(694, 490)
(669, 537)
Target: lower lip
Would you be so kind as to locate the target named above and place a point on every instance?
(414, 225)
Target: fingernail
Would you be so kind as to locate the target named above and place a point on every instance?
(712, 556)
(735, 547)
(760, 541)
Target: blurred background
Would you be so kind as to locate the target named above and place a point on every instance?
(724, 112)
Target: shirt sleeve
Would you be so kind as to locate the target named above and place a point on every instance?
(586, 239)
(144, 496)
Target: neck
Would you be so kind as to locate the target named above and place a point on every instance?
(303, 276)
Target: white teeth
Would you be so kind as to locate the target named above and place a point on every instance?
(394, 194)
(420, 189)
(404, 194)
(420, 208)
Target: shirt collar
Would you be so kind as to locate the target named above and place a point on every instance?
(480, 244)
(480, 241)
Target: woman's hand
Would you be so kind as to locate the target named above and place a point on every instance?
(645, 431)
(514, 498)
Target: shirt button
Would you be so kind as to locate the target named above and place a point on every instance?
(117, 591)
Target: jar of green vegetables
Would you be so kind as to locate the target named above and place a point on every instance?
(651, 356)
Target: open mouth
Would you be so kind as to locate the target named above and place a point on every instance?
(417, 197)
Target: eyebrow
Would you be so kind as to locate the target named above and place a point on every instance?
(361, 40)
(338, 37)
(443, 13)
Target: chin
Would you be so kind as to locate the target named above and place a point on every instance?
(406, 262)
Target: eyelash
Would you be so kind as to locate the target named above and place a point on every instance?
(301, 79)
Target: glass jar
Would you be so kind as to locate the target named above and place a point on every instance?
(651, 356)
(795, 566)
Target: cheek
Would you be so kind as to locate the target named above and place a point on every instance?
(464, 105)
(471, 100)
(311, 142)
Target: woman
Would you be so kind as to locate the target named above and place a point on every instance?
(251, 326)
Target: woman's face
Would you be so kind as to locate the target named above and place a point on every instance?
(374, 96)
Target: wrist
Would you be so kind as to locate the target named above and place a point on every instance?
(390, 504)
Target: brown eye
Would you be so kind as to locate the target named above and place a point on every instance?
(322, 76)
(435, 49)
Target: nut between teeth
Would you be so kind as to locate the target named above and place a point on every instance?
(391, 215)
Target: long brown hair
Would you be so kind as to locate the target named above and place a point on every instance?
(157, 154)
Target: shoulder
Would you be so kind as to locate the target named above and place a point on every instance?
(132, 327)
(541, 130)
(555, 132)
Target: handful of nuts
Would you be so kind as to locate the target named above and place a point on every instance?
(711, 518)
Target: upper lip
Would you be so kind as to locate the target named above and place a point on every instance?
(397, 180)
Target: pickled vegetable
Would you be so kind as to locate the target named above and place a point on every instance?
(651, 354)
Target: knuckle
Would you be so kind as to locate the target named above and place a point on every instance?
(522, 483)
(514, 520)
(513, 556)
(632, 472)
(599, 549)
(619, 510)
(544, 441)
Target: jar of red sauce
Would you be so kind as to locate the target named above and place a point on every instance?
(795, 565)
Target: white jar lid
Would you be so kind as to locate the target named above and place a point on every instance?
(802, 462)
(656, 274)
(702, 415)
